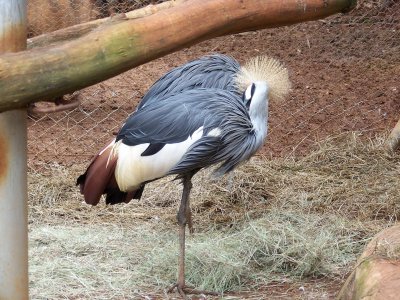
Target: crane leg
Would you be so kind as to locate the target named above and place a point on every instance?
(184, 217)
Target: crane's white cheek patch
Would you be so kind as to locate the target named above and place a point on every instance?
(247, 93)
(132, 169)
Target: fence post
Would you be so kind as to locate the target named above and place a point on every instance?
(13, 159)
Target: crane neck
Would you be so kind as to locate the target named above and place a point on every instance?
(258, 109)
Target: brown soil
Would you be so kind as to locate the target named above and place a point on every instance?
(344, 71)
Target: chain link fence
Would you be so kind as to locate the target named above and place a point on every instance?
(345, 73)
(49, 15)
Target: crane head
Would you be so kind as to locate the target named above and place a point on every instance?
(255, 94)
(265, 69)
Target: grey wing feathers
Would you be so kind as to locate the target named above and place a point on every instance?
(173, 121)
(164, 123)
(236, 144)
(212, 71)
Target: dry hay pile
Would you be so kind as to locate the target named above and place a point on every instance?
(279, 220)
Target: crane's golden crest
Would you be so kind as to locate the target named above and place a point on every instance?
(264, 68)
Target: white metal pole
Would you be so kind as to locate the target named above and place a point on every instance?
(13, 182)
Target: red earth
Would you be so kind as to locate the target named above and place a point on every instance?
(344, 72)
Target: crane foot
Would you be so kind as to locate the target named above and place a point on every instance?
(184, 290)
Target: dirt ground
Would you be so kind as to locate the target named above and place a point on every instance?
(344, 71)
(345, 74)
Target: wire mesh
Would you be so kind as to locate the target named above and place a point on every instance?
(344, 70)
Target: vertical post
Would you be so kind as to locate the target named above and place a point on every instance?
(13, 182)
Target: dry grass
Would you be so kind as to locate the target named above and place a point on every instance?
(280, 220)
(126, 262)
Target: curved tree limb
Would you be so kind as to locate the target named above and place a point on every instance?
(79, 30)
(44, 73)
(59, 104)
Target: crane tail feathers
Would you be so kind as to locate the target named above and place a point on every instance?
(264, 68)
(99, 179)
(99, 176)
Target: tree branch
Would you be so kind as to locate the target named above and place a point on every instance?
(79, 30)
(112, 48)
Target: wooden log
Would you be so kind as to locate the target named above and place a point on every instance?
(44, 73)
(377, 273)
(79, 30)
(393, 141)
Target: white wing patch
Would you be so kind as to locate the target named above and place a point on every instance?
(132, 169)
(214, 132)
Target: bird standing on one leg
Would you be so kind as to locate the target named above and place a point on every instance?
(184, 129)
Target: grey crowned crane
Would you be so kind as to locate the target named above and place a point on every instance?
(210, 111)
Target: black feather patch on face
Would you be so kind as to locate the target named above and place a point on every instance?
(253, 89)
